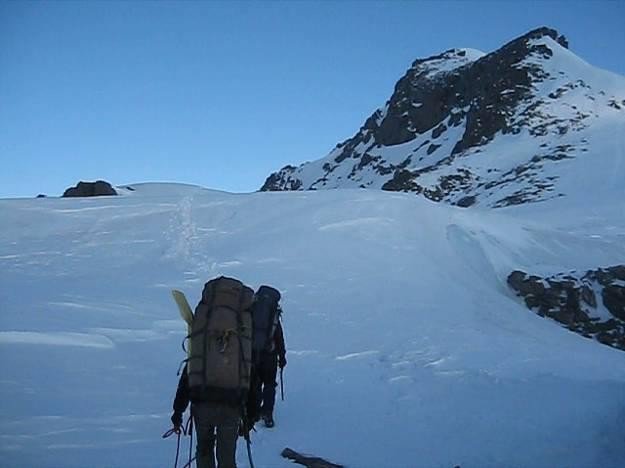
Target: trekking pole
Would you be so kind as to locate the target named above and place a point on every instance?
(246, 433)
(249, 449)
(281, 384)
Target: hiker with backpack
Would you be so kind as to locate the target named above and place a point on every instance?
(269, 350)
(218, 371)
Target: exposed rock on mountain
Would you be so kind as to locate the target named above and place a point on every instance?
(514, 126)
(592, 304)
(90, 189)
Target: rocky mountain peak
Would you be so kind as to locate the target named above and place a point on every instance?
(449, 108)
(539, 33)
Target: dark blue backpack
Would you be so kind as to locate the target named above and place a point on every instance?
(265, 314)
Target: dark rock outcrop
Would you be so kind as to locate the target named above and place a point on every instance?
(90, 189)
(592, 303)
(280, 181)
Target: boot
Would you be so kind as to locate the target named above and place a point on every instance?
(268, 420)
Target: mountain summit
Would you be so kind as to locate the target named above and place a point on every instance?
(528, 122)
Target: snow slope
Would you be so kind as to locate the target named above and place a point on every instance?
(406, 347)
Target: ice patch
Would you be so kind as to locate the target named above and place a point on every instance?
(72, 305)
(400, 378)
(345, 357)
(56, 339)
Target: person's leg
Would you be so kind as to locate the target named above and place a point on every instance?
(270, 371)
(204, 420)
(227, 434)
(261, 384)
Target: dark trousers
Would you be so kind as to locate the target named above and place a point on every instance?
(216, 425)
(266, 382)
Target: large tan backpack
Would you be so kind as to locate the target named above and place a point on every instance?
(219, 365)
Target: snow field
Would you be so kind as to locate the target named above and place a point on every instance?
(406, 348)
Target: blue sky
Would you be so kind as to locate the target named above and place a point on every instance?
(222, 94)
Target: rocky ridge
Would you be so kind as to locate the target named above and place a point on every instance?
(467, 128)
